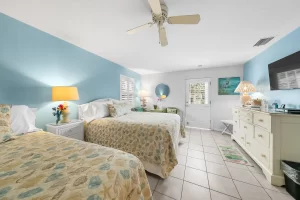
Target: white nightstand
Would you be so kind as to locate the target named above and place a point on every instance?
(74, 129)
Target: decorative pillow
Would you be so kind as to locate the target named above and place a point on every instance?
(117, 110)
(4, 118)
(96, 110)
(5, 132)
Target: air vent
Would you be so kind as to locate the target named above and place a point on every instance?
(263, 41)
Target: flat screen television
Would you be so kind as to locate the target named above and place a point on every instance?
(284, 74)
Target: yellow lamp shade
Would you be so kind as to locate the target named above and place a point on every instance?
(163, 96)
(63, 93)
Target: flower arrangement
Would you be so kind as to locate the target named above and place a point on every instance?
(58, 111)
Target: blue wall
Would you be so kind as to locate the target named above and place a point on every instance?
(256, 70)
(31, 62)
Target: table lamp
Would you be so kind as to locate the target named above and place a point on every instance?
(244, 88)
(142, 95)
(65, 93)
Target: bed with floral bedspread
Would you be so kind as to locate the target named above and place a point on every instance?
(42, 165)
(152, 137)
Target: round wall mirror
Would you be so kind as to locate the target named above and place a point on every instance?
(162, 89)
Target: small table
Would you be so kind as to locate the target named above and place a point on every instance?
(74, 129)
(227, 124)
(158, 110)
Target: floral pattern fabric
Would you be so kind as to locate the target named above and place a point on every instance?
(42, 165)
(5, 131)
(119, 109)
(150, 141)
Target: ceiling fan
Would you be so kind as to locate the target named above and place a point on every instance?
(160, 16)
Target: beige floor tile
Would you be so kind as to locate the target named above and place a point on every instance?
(217, 169)
(219, 196)
(153, 180)
(255, 169)
(195, 154)
(181, 159)
(263, 181)
(230, 164)
(198, 142)
(171, 187)
(178, 171)
(196, 147)
(185, 140)
(197, 177)
(183, 145)
(212, 150)
(196, 163)
(251, 192)
(279, 196)
(182, 151)
(210, 144)
(214, 158)
(223, 185)
(158, 196)
(194, 192)
(195, 132)
(243, 176)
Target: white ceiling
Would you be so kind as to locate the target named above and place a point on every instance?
(225, 36)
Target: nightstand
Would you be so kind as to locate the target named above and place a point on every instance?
(74, 129)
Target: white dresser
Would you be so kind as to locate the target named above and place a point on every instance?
(268, 138)
(74, 129)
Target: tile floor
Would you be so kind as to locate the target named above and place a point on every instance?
(202, 174)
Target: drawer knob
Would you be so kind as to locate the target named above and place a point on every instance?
(260, 120)
(260, 135)
(245, 126)
(235, 121)
(263, 155)
(242, 138)
(248, 143)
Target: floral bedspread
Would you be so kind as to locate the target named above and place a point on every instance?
(42, 165)
(150, 140)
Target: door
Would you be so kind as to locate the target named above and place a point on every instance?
(197, 103)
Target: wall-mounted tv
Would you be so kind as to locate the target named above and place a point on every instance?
(285, 73)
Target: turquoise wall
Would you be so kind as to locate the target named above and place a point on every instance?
(31, 62)
(256, 70)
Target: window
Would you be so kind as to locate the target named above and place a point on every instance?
(127, 89)
(199, 93)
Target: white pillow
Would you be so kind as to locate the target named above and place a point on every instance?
(96, 110)
(22, 120)
(102, 100)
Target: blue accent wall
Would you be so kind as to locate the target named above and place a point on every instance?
(32, 61)
(256, 70)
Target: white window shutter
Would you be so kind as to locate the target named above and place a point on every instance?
(127, 88)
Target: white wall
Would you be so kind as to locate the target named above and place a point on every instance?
(221, 104)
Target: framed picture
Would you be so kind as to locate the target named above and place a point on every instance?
(228, 85)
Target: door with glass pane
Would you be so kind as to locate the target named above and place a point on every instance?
(197, 103)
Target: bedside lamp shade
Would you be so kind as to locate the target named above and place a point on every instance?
(244, 88)
(143, 93)
(62, 93)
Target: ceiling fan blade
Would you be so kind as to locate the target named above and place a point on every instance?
(155, 6)
(163, 37)
(184, 19)
(134, 30)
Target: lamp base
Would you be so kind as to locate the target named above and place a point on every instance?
(245, 98)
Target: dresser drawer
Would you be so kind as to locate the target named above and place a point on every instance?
(247, 129)
(262, 120)
(235, 112)
(262, 154)
(262, 136)
(246, 116)
(236, 123)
